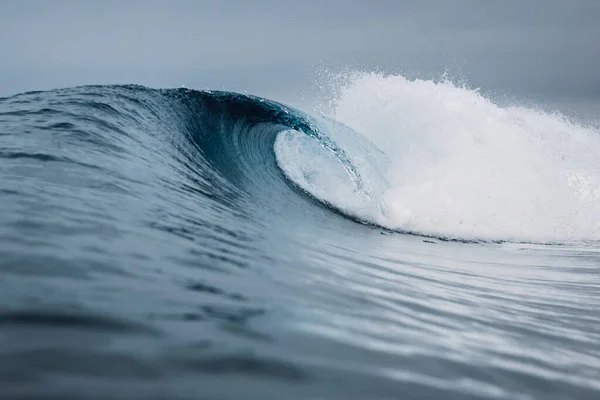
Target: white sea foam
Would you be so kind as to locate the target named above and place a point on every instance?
(458, 165)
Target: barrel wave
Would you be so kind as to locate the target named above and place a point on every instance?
(414, 240)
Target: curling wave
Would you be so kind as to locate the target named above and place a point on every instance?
(454, 164)
(422, 157)
(172, 242)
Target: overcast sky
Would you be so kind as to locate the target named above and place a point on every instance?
(272, 48)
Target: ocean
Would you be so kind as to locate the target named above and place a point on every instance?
(412, 239)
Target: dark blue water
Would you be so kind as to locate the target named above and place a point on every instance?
(151, 247)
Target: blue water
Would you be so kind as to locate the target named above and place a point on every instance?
(152, 245)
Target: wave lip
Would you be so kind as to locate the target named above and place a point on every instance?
(459, 166)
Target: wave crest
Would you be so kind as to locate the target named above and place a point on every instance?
(460, 166)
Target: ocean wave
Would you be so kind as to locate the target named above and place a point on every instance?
(166, 242)
(423, 157)
(457, 165)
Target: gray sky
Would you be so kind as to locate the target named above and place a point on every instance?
(539, 48)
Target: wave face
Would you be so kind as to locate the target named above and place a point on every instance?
(165, 243)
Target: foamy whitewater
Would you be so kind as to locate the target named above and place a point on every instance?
(457, 165)
(193, 244)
